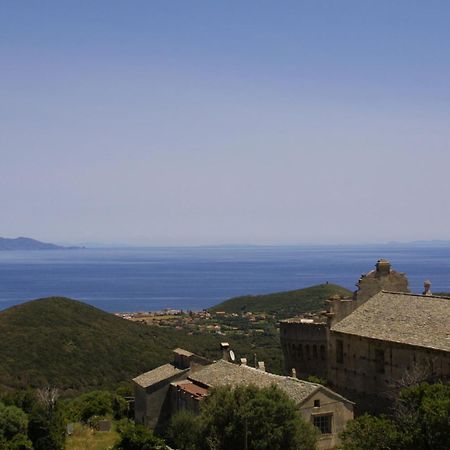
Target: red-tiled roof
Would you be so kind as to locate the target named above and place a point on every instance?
(193, 389)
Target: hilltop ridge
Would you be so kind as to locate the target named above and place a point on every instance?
(71, 345)
(284, 304)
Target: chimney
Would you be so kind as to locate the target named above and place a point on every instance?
(261, 366)
(383, 267)
(243, 361)
(225, 347)
(293, 373)
(427, 288)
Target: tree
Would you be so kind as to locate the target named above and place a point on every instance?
(137, 437)
(250, 418)
(421, 421)
(185, 430)
(371, 433)
(423, 414)
(46, 427)
(13, 428)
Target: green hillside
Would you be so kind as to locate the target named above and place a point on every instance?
(71, 345)
(284, 304)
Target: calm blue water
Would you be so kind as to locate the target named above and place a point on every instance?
(194, 278)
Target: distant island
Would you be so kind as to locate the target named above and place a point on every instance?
(24, 243)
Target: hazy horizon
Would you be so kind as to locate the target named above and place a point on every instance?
(207, 123)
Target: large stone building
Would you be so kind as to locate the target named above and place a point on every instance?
(375, 341)
(304, 341)
(392, 340)
(184, 383)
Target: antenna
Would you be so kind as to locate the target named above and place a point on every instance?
(232, 356)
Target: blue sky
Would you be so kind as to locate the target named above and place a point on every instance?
(214, 122)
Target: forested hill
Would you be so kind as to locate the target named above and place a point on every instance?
(284, 304)
(24, 243)
(71, 345)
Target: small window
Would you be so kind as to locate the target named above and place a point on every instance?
(323, 423)
(316, 403)
(315, 351)
(379, 360)
(339, 351)
(308, 354)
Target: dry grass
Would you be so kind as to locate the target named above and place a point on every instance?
(84, 438)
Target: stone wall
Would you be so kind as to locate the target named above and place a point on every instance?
(150, 403)
(382, 278)
(304, 348)
(324, 403)
(370, 372)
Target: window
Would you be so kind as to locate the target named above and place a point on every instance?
(308, 354)
(323, 423)
(322, 352)
(379, 360)
(316, 403)
(315, 351)
(339, 351)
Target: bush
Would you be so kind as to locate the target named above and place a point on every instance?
(137, 437)
(96, 403)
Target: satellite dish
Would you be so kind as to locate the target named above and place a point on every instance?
(232, 356)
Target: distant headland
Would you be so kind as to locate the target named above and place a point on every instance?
(25, 243)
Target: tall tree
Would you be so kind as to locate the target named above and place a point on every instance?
(249, 418)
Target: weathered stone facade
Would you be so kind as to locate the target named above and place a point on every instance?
(305, 342)
(305, 346)
(383, 278)
(391, 341)
(151, 389)
(379, 339)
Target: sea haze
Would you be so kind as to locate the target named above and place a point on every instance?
(146, 279)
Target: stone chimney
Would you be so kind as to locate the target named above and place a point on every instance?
(225, 347)
(293, 373)
(427, 288)
(383, 267)
(261, 366)
(243, 361)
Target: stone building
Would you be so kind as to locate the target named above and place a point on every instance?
(168, 389)
(151, 389)
(305, 346)
(304, 341)
(379, 339)
(392, 340)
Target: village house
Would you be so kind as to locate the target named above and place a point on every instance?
(184, 383)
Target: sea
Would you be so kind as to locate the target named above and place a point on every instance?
(194, 278)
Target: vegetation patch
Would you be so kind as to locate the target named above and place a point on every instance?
(284, 304)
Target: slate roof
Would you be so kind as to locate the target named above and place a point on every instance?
(423, 321)
(223, 373)
(157, 375)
